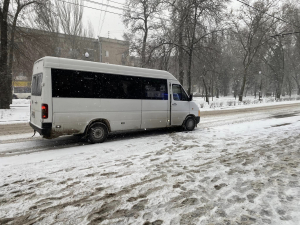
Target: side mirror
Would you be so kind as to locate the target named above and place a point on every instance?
(191, 97)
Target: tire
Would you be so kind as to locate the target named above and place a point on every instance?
(189, 124)
(98, 133)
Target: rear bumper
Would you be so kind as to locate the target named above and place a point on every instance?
(197, 119)
(45, 130)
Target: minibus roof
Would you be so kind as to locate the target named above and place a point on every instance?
(81, 65)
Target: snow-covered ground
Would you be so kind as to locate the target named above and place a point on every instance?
(248, 102)
(240, 173)
(19, 112)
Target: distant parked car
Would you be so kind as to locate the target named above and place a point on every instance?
(22, 93)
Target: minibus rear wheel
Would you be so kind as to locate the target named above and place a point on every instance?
(190, 124)
(98, 133)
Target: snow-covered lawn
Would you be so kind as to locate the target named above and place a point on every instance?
(243, 173)
(19, 112)
(248, 102)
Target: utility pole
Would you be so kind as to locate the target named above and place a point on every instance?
(100, 49)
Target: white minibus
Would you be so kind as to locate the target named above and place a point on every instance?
(94, 99)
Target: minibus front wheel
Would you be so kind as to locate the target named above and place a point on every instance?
(189, 124)
(98, 133)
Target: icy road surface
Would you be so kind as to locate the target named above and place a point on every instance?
(227, 171)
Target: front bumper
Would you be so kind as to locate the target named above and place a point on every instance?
(197, 119)
(45, 130)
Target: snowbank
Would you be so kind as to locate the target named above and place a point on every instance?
(230, 102)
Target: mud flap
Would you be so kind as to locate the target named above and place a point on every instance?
(34, 131)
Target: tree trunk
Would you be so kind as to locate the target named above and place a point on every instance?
(5, 85)
(277, 94)
(11, 48)
(144, 45)
(189, 90)
(191, 50)
(180, 49)
(212, 90)
(243, 86)
(206, 92)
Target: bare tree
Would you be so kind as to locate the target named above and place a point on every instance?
(70, 16)
(21, 6)
(291, 13)
(141, 21)
(251, 28)
(5, 84)
(6, 59)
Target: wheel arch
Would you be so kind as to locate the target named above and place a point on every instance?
(188, 116)
(98, 120)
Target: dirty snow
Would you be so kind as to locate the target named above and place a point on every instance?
(242, 173)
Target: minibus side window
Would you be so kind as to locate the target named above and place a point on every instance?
(155, 89)
(82, 84)
(61, 83)
(121, 87)
(178, 93)
(75, 84)
(131, 87)
(85, 86)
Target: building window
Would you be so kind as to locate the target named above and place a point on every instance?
(106, 53)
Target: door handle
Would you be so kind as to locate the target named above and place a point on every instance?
(35, 102)
(174, 104)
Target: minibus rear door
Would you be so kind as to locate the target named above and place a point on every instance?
(36, 100)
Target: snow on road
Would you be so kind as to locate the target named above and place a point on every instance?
(242, 173)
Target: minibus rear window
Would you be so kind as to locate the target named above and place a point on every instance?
(36, 86)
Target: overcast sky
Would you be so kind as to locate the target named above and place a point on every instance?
(105, 23)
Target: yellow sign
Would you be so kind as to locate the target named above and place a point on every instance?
(20, 83)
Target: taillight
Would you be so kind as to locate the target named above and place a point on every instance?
(45, 111)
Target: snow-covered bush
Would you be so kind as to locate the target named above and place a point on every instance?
(231, 103)
(247, 102)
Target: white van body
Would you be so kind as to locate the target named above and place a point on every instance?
(75, 94)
